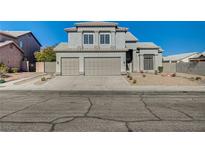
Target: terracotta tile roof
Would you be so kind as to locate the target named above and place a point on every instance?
(72, 29)
(130, 37)
(96, 23)
(147, 45)
(123, 29)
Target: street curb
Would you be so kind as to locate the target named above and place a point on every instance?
(107, 92)
(28, 79)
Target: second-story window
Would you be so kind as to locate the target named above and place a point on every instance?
(88, 38)
(104, 38)
(21, 44)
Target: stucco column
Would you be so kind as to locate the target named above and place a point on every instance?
(123, 64)
(135, 62)
(81, 65)
(155, 62)
(141, 58)
(113, 45)
(58, 64)
(82, 39)
(96, 39)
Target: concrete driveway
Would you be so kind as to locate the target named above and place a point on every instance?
(68, 83)
(88, 83)
(63, 111)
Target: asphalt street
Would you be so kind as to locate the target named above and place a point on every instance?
(52, 111)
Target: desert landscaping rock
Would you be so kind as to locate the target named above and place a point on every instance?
(91, 125)
(168, 126)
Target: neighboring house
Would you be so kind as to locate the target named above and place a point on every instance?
(184, 57)
(104, 48)
(25, 40)
(200, 57)
(10, 54)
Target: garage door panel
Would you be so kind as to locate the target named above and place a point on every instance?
(103, 66)
(70, 66)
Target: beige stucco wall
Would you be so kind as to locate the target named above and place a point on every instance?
(12, 57)
(117, 39)
(40, 67)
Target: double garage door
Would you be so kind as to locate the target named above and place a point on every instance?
(92, 66)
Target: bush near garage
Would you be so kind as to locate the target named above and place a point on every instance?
(160, 69)
(46, 55)
(3, 70)
(13, 70)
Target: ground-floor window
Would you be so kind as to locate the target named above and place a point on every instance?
(148, 62)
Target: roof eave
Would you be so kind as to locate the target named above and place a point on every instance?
(12, 42)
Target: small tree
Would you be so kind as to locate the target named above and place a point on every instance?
(46, 55)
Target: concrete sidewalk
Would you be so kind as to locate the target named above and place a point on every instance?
(91, 83)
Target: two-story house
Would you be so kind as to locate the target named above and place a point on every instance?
(104, 48)
(25, 40)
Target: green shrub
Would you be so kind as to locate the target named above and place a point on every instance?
(198, 78)
(3, 68)
(43, 79)
(2, 81)
(128, 74)
(13, 70)
(160, 69)
(173, 75)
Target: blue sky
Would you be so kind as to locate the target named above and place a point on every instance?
(173, 37)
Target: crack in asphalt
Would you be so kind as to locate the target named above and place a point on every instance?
(76, 117)
(23, 108)
(73, 117)
(187, 115)
(54, 122)
(89, 108)
(40, 122)
(128, 128)
(146, 106)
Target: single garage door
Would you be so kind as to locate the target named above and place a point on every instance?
(103, 66)
(70, 66)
